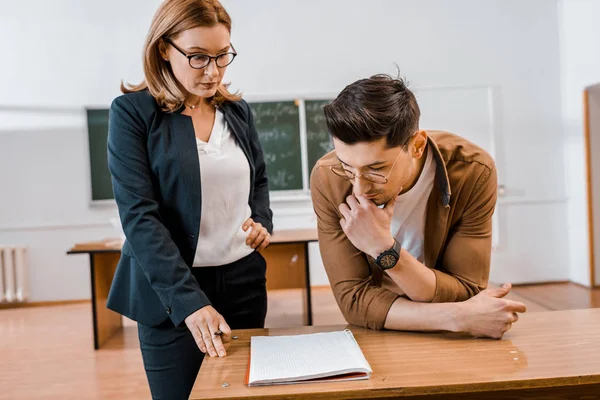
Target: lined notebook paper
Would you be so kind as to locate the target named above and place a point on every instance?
(316, 357)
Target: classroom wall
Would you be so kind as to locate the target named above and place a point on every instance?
(68, 54)
(580, 67)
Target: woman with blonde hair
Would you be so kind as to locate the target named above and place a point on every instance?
(189, 180)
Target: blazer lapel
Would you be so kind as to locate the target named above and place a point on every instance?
(182, 130)
(438, 209)
(435, 226)
(237, 127)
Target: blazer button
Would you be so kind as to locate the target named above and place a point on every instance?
(168, 310)
(191, 236)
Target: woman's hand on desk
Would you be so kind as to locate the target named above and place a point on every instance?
(488, 314)
(211, 332)
(259, 237)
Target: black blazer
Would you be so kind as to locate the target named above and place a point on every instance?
(153, 160)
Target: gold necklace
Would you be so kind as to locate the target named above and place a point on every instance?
(192, 107)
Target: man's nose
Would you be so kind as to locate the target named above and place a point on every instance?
(360, 186)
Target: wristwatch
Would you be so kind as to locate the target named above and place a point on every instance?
(389, 258)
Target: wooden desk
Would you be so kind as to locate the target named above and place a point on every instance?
(547, 355)
(105, 255)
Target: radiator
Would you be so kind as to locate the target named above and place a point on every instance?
(13, 274)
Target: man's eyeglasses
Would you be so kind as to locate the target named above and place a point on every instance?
(369, 176)
(199, 61)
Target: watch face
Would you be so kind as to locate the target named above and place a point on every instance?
(388, 261)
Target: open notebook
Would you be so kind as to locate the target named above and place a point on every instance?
(316, 357)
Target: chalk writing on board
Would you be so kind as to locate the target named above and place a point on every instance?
(322, 138)
(270, 157)
(276, 134)
(314, 112)
(281, 179)
(273, 112)
(326, 146)
(318, 139)
(278, 128)
(273, 157)
(288, 154)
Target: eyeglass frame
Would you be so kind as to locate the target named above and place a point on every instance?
(210, 58)
(354, 175)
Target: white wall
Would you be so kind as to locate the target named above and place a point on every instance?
(58, 57)
(580, 66)
(286, 48)
(304, 47)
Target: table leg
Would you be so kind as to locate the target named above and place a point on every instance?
(106, 322)
(308, 317)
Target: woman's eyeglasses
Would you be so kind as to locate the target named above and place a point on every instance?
(199, 61)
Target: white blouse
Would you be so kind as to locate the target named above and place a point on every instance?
(410, 212)
(225, 185)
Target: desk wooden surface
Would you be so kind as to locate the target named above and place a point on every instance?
(545, 352)
(279, 236)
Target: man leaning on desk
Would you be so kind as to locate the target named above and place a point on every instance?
(405, 218)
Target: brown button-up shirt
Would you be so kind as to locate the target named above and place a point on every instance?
(458, 232)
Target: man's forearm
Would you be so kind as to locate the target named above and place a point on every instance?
(407, 315)
(414, 278)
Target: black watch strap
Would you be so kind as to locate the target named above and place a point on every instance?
(389, 258)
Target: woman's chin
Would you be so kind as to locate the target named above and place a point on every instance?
(203, 93)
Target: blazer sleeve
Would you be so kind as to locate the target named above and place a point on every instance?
(149, 239)
(261, 211)
(361, 301)
(465, 267)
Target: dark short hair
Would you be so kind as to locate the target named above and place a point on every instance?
(374, 108)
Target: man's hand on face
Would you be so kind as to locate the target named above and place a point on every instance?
(366, 225)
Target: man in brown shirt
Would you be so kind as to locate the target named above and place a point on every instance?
(405, 218)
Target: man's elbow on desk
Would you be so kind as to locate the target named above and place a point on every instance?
(368, 310)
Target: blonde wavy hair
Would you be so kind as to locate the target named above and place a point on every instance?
(172, 18)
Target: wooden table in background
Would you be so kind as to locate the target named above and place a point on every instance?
(549, 355)
(287, 267)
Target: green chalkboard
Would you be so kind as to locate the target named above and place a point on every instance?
(318, 139)
(278, 127)
(97, 121)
